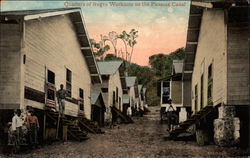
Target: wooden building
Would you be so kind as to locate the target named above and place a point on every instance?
(39, 50)
(98, 108)
(217, 62)
(173, 88)
(114, 85)
(132, 85)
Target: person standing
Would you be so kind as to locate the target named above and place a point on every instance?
(16, 126)
(33, 126)
(61, 96)
(129, 111)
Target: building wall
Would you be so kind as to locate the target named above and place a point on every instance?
(115, 82)
(238, 65)
(132, 96)
(186, 93)
(51, 43)
(176, 92)
(10, 61)
(211, 49)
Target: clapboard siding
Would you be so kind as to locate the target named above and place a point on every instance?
(115, 81)
(51, 44)
(10, 61)
(238, 65)
(211, 49)
(132, 96)
(176, 92)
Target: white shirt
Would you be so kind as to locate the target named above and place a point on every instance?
(129, 111)
(16, 122)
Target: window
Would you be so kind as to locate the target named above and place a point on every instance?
(113, 98)
(210, 85)
(51, 77)
(104, 90)
(81, 93)
(116, 94)
(196, 98)
(202, 91)
(68, 81)
(50, 86)
(165, 93)
(51, 94)
(81, 106)
(81, 100)
(120, 103)
(105, 77)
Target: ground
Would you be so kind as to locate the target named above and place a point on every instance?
(144, 138)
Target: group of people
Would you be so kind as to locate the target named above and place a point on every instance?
(23, 128)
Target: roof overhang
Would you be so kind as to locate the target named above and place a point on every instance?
(77, 20)
(194, 23)
(122, 69)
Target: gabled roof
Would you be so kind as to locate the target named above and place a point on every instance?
(130, 81)
(77, 20)
(177, 66)
(125, 99)
(111, 67)
(108, 67)
(139, 88)
(94, 96)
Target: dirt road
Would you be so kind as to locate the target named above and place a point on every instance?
(144, 138)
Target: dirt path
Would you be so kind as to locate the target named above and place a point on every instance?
(144, 138)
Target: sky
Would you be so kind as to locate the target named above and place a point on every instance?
(161, 25)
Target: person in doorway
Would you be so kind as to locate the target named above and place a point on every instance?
(33, 126)
(129, 111)
(16, 125)
(61, 96)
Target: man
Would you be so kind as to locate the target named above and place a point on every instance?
(16, 126)
(33, 126)
(129, 111)
(61, 96)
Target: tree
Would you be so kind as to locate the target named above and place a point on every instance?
(162, 63)
(99, 48)
(128, 39)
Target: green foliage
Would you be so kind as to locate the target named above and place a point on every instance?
(161, 65)
(99, 48)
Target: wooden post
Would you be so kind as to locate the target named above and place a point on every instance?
(65, 133)
(57, 128)
(44, 125)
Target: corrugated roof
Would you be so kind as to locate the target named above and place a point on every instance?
(139, 87)
(94, 97)
(130, 81)
(177, 66)
(125, 99)
(108, 67)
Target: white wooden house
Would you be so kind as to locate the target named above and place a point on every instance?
(114, 85)
(132, 85)
(173, 88)
(39, 50)
(217, 62)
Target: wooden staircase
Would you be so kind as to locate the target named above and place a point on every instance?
(146, 110)
(74, 131)
(194, 119)
(89, 125)
(125, 118)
